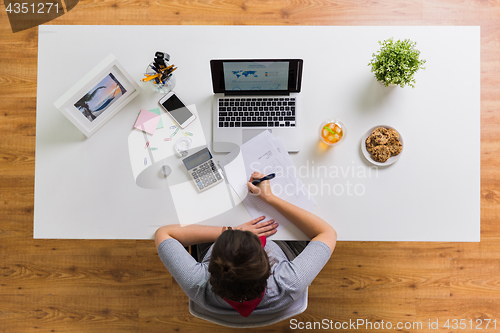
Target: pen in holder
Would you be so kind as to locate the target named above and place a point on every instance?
(158, 84)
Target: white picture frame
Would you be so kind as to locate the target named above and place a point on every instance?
(98, 96)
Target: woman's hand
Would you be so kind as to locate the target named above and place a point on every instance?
(262, 190)
(260, 228)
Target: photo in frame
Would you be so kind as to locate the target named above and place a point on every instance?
(98, 96)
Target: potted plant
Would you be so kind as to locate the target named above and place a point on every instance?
(396, 62)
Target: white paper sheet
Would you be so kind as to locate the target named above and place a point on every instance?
(235, 174)
(195, 207)
(266, 154)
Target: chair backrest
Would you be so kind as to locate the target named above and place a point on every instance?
(254, 320)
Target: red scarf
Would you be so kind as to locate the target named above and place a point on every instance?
(246, 308)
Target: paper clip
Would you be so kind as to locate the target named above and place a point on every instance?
(147, 145)
(153, 148)
(167, 139)
(172, 127)
(145, 161)
(188, 133)
(177, 130)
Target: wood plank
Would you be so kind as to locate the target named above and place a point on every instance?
(110, 11)
(11, 43)
(18, 77)
(479, 314)
(302, 12)
(488, 248)
(18, 117)
(343, 311)
(17, 158)
(69, 314)
(145, 248)
(462, 12)
(489, 231)
(490, 196)
(115, 276)
(15, 236)
(402, 250)
(383, 277)
(475, 278)
(17, 192)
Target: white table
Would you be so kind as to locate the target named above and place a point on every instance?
(84, 188)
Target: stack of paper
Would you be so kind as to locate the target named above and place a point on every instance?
(267, 154)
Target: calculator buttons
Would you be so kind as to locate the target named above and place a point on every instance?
(205, 175)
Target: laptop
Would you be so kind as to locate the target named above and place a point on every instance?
(255, 95)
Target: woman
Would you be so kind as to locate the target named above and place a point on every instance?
(241, 271)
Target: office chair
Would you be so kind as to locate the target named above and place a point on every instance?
(254, 320)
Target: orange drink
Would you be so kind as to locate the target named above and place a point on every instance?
(332, 131)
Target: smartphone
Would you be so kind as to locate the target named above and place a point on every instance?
(177, 109)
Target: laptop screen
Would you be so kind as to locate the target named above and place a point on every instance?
(256, 76)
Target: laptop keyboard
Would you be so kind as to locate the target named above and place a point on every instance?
(257, 112)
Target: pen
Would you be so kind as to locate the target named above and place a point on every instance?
(268, 177)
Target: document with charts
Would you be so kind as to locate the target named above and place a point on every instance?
(267, 154)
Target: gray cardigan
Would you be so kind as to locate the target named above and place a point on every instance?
(287, 281)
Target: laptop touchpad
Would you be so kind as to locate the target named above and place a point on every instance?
(248, 134)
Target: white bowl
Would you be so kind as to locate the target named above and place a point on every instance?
(368, 156)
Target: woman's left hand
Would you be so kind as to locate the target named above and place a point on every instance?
(260, 228)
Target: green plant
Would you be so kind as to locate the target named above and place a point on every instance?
(396, 62)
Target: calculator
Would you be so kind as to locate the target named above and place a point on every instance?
(202, 169)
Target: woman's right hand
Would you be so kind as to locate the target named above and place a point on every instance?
(259, 227)
(263, 190)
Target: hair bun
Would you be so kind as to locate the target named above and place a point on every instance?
(226, 268)
(230, 270)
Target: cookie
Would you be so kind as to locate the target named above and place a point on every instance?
(370, 144)
(381, 153)
(370, 149)
(395, 147)
(393, 134)
(380, 135)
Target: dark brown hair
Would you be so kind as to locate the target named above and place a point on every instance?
(239, 266)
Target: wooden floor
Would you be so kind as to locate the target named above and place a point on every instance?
(121, 286)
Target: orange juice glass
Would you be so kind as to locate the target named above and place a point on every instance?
(332, 132)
